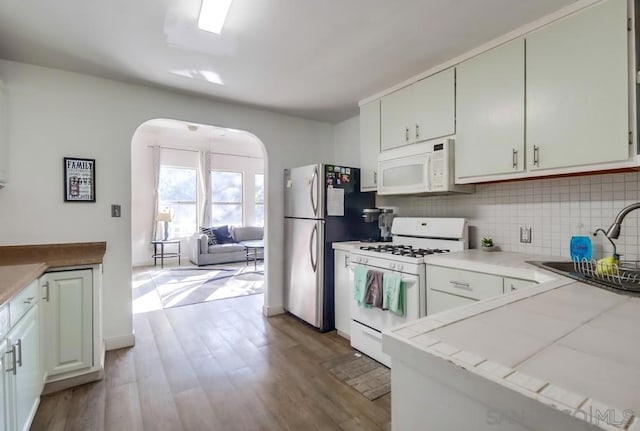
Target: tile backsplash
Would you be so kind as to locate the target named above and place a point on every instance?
(555, 209)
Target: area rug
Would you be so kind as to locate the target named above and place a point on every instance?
(184, 286)
(362, 373)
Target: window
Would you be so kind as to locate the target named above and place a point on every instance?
(226, 198)
(177, 191)
(259, 199)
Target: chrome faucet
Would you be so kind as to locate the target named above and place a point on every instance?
(614, 230)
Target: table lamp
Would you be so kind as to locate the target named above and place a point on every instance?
(165, 216)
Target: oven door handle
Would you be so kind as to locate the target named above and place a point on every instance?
(405, 280)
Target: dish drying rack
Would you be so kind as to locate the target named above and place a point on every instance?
(622, 276)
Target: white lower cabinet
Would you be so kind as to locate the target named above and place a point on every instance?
(343, 282)
(448, 287)
(22, 374)
(439, 301)
(511, 284)
(67, 314)
(5, 408)
(54, 338)
(451, 287)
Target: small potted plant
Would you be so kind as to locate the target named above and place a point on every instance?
(487, 244)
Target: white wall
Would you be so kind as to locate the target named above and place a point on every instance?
(346, 142)
(54, 113)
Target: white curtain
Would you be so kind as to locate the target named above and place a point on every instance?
(156, 185)
(204, 188)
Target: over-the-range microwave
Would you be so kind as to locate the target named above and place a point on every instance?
(422, 168)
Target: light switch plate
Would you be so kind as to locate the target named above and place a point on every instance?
(525, 234)
(116, 210)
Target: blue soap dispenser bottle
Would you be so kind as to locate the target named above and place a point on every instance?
(580, 246)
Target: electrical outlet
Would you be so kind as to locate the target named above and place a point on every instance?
(116, 210)
(525, 234)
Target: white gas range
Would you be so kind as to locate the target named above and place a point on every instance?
(413, 238)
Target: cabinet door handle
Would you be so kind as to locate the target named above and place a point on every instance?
(14, 367)
(375, 177)
(536, 155)
(417, 131)
(346, 260)
(515, 158)
(461, 285)
(19, 346)
(28, 300)
(406, 134)
(512, 287)
(47, 292)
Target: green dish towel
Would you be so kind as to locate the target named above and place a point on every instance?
(359, 283)
(393, 293)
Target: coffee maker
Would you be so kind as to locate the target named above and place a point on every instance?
(384, 218)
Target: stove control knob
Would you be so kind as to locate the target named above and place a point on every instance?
(392, 265)
(400, 267)
(366, 260)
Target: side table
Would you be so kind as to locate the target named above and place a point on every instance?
(251, 249)
(162, 253)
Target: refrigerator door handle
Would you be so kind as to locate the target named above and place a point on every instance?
(312, 189)
(314, 262)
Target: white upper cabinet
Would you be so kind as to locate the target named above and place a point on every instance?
(490, 112)
(369, 145)
(419, 112)
(577, 89)
(4, 136)
(394, 119)
(433, 108)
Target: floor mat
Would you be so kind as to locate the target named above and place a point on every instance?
(362, 373)
(183, 286)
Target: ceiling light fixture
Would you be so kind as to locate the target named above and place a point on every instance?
(213, 13)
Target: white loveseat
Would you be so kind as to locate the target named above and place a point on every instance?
(201, 253)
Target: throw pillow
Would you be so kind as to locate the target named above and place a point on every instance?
(223, 235)
(211, 236)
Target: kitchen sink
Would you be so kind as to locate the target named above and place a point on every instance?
(624, 279)
(558, 267)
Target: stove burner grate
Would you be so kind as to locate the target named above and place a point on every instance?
(404, 250)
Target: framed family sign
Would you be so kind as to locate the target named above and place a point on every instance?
(79, 180)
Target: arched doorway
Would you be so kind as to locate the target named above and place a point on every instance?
(192, 157)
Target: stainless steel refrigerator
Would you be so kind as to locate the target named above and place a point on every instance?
(323, 204)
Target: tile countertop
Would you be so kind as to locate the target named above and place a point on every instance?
(14, 278)
(21, 264)
(502, 263)
(569, 345)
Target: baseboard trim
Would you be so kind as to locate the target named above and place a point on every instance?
(70, 382)
(120, 342)
(272, 311)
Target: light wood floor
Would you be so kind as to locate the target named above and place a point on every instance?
(219, 365)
